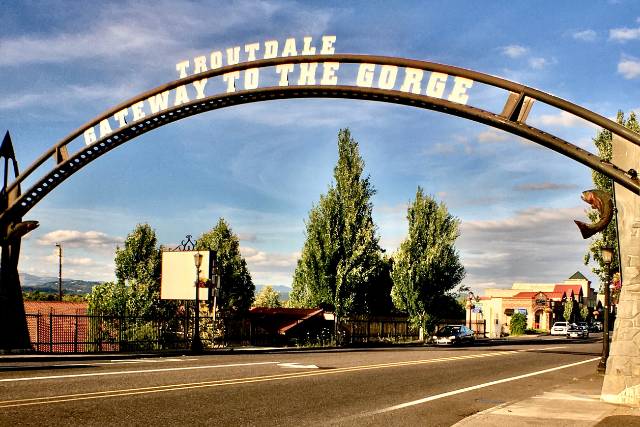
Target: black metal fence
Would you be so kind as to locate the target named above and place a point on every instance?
(80, 333)
(85, 333)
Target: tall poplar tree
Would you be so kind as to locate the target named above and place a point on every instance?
(341, 254)
(426, 265)
(608, 236)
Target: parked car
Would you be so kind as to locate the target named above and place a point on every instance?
(454, 335)
(596, 326)
(584, 325)
(559, 328)
(577, 331)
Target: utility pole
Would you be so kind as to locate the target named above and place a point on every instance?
(59, 271)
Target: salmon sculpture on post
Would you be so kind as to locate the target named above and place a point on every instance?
(600, 201)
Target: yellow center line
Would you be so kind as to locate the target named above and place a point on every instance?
(234, 381)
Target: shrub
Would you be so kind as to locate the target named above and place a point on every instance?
(518, 324)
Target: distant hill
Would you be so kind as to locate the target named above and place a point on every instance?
(284, 291)
(49, 285)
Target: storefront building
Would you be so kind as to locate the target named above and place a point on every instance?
(542, 304)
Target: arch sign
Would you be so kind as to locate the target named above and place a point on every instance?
(306, 68)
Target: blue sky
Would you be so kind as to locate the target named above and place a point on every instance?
(261, 166)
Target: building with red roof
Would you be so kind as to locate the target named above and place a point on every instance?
(542, 304)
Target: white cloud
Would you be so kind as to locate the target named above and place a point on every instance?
(624, 34)
(541, 245)
(537, 63)
(546, 186)
(443, 148)
(271, 268)
(391, 243)
(492, 136)
(563, 119)
(515, 51)
(629, 68)
(587, 35)
(391, 209)
(258, 260)
(92, 241)
(249, 237)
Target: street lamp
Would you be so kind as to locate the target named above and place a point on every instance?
(59, 246)
(607, 257)
(470, 305)
(196, 344)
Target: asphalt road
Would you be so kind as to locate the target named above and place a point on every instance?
(392, 386)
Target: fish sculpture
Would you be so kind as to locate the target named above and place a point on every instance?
(601, 201)
(21, 229)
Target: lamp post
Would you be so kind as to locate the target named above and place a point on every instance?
(196, 344)
(607, 257)
(59, 246)
(470, 306)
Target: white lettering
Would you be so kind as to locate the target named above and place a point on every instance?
(159, 102)
(137, 110)
(436, 85)
(328, 76)
(251, 48)
(327, 45)
(199, 64)
(308, 50)
(412, 78)
(233, 55)
(216, 60)
(365, 75)
(230, 78)
(119, 116)
(182, 67)
(199, 85)
(181, 95)
(458, 94)
(387, 78)
(105, 128)
(284, 70)
(89, 136)
(289, 48)
(270, 49)
(308, 73)
(251, 78)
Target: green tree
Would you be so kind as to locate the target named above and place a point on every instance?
(608, 236)
(341, 255)
(584, 312)
(137, 289)
(141, 258)
(267, 297)
(236, 287)
(427, 267)
(568, 310)
(518, 324)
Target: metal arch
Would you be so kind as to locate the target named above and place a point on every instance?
(508, 120)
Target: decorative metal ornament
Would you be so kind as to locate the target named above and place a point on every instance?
(603, 203)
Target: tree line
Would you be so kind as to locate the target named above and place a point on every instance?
(342, 267)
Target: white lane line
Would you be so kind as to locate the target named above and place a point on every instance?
(297, 365)
(476, 387)
(97, 374)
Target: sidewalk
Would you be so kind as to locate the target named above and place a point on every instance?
(577, 404)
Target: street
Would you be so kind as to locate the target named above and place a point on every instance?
(399, 385)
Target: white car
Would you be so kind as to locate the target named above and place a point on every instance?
(559, 328)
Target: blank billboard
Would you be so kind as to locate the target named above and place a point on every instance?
(179, 275)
